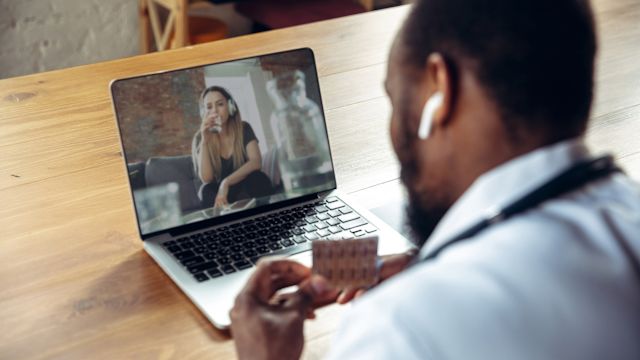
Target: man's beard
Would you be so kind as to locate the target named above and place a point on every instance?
(424, 210)
(421, 218)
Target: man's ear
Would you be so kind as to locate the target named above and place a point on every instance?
(439, 84)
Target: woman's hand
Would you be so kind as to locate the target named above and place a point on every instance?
(209, 123)
(391, 265)
(223, 192)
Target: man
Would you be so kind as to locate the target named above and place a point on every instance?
(512, 83)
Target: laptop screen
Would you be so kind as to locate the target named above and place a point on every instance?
(209, 141)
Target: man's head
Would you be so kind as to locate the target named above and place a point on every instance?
(513, 76)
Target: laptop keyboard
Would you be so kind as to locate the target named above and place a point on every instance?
(227, 249)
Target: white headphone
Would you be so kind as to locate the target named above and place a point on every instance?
(428, 112)
(231, 105)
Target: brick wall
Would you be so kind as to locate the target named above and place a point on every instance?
(160, 114)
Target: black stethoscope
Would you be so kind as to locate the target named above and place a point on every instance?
(571, 179)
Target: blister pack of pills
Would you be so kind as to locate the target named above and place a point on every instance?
(347, 263)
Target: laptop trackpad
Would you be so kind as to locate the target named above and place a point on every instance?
(303, 257)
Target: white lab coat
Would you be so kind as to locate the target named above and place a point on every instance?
(550, 283)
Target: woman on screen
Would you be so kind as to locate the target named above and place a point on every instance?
(225, 152)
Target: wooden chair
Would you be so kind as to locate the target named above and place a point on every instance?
(172, 27)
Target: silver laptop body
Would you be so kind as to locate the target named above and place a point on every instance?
(206, 250)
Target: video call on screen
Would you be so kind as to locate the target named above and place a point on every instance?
(188, 134)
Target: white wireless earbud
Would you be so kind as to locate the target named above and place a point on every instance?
(427, 115)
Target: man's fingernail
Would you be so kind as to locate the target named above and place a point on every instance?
(319, 285)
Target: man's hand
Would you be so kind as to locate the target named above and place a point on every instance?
(391, 265)
(267, 325)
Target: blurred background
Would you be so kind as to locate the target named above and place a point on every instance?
(43, 35)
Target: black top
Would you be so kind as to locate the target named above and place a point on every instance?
(248, 135)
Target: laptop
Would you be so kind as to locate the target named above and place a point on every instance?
(258, 121)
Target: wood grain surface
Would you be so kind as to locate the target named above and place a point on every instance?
(75, 282)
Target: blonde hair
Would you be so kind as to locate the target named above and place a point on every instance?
(236, 132)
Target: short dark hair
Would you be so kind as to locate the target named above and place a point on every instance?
(535, 58)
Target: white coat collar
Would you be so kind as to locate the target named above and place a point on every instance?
(504, 184)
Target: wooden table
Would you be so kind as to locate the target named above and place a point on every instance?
(75, 282)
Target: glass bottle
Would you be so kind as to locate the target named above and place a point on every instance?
(301, 137)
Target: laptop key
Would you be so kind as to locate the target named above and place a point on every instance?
(287, 243)
(321, 209)
(199, 249)
(228, 269)
(323, 216)
(210, 256)
(242, 264)
(262, 250)
(236, 257)
(202, 267)
(348, 217)
(323, 233)
(214, 272)
(370, 228)
(359, 228)
(185, 254)
(250, 253)
(334, 213)
(311, 236)
(345, 210)
(213, 247)
(334, 229)
(197, 242)
(275, 246)
(346, 235)
(187, 245)
(192, 261)
(201, 277)
(321, 225)
(174, 249)
(335, 205)
(331, 199)
(299, 239)
(333, 222)
(352, 224)
(169, 243)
